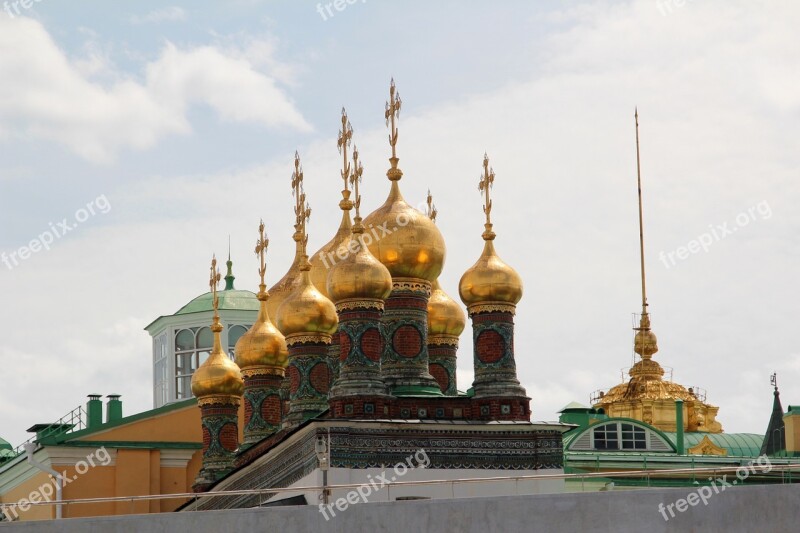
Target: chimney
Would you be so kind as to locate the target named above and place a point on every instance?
(94, 411)
(113, 408)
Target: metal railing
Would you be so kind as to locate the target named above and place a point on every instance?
(75, 420)
(777, 472)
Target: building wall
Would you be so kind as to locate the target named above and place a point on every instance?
(738, 509)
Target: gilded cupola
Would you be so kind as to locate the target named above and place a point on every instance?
(262, 344)
(305, 310)
(218, 375)
(445, 315)
(336, 248)
(360, 276)
(489, 280)
(403, 238)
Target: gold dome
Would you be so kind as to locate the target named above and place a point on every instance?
(321, 268)
(306, 310)
(404, 239)
(218, 375)
(263, 344)
(287, 284)
(359, 276)
(490, 279)
(445, 316)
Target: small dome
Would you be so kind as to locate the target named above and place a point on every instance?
(490, 280)
(218, 375)
(306, 310)
(445, 316)
(262, 344)
(404, 239)
(359, 276)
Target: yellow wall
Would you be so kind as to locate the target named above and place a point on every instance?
(134, 472)
(792, 423)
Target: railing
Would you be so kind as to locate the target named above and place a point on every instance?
(779, 474)
(75, 420)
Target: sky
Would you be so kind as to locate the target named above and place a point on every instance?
(136, 137)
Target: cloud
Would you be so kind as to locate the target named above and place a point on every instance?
(47, 96)
(171, 13)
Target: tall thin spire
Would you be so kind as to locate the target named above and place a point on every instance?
(212, 282)
(641, 224)
(261, 249)
(355, 179)
(392, 115)
(302, 211)
(229, 277)
(485, 185)
(645, 342)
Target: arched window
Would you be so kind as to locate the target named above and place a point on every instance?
(620, 435)
(235, 332)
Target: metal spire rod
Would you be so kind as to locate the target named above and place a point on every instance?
(641, 224)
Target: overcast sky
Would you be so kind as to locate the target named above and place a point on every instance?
(155, 130)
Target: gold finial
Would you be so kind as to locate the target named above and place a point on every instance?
(212, 282)
(345, 135)
(261, 249)
(430, 210)
(485, 186)
(302, 211)
(355, 179)
(392, 115)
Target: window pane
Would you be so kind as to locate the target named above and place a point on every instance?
(205, 339)
(184, 340)
(234, 333)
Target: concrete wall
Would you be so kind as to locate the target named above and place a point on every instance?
(755, 508)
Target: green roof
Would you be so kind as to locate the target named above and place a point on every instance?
(737, 444)
(4, 445)
(228, 300)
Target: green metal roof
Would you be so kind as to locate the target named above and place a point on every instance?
(4, 445)
(737, 444)
(232, 299)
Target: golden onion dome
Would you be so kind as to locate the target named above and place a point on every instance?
(490, 279)
(262, 344)
(218, 375)
(404, 239)
(287, 284)
(306, 310)
(359, 275)
(445, 316)
(326, 257)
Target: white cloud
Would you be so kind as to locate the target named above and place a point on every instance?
(46, 96)
(171, 13)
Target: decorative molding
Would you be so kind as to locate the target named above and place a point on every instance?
(491, 307)
(308, 338)
(351, 304)
(219, 399)
(263, 371)
(442, 340)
